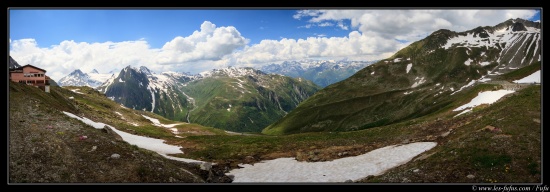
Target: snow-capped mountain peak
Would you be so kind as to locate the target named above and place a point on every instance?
(79, 78)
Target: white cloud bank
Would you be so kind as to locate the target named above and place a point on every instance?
(373, 35)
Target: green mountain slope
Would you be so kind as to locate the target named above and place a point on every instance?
(420, 79)
(234, 99)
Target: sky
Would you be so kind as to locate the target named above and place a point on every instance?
(191, 40)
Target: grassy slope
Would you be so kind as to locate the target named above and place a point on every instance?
(510, 156)
(522, 72)
(44, 144)
(464, 151)
(517, 147)
(368, 100)
(250, 111)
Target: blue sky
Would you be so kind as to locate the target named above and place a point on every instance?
(50, 27)
(184, 40)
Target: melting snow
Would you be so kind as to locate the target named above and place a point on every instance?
(86, 120)
(375, 162)
(76, 91)
(484, 63)
(483, 79)
(122, 117)
(487, 97)
(416, 84)
(397, 60)
(156, 145)
(465, 111)
(467, 62)
(467, 85)
(409, 66)
(152, 97)
(372, 73)
(535, 77)
(157, 123)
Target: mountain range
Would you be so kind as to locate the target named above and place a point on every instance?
(235, 99)
(78, 78)
(418, 80)
(321, 72)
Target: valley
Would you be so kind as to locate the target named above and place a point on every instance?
(444, 109)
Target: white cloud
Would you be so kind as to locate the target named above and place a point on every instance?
(412, 25)
(210, 43)
(325, 24)
(372, 35)
(60, 60)
(206, 46)
(354, 46)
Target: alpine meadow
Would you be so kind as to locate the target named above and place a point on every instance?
(276, 96)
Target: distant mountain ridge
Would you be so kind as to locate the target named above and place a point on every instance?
(235, 99)
(79, 78)
(13, 64)
(321, 72)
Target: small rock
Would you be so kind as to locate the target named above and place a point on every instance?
(339, 154)
(93, 149)
(83, 137)
(249, 159)
(470, 176)
(171, 180)
(446, 134)
(115, 156)
(488, 128)
(206, 166)
(232, 177)
(106, 129)
(406, 180)
(416, 170)
(405, 141)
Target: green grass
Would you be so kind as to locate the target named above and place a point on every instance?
(522, 72)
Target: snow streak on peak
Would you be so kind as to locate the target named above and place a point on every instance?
(231, 72)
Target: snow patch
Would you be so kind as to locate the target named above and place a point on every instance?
(397, 60)
(409, 66)
(156, 145)
(487, 97)
(76, 91)
(120, 114)
(463, 112)
(484, 63)
(417, 83)
(375, 163)
(86, 120)
(467, 85)
(535, 77)
(467, 62)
